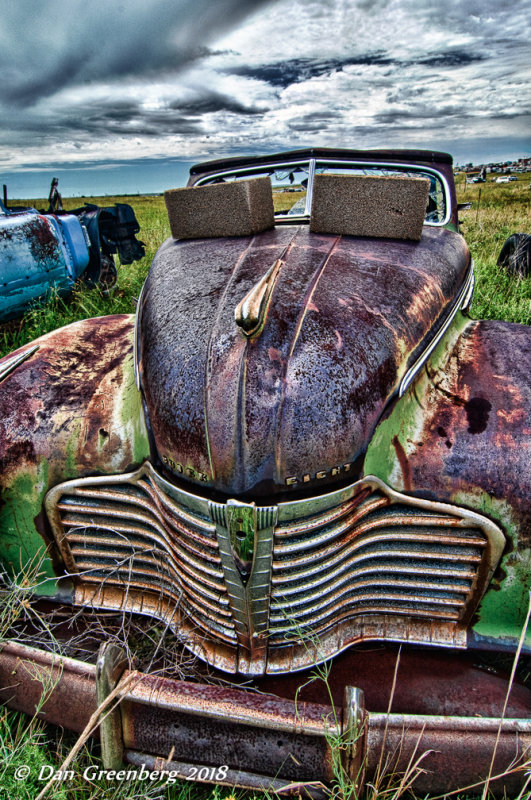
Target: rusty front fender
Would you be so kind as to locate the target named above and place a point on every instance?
(462, 435)
(68, 409)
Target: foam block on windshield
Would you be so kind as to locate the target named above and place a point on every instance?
(238, 208)
(366, 205)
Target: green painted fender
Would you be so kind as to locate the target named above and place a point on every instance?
(69, 409)
(462, 434)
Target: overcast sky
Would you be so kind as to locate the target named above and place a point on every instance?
(123, 96)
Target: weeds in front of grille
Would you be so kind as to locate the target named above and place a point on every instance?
(149, 644)
(388, 781)
(344, 745)
(27, 741)
(155, 648)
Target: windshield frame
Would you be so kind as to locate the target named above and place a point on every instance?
(313, 164)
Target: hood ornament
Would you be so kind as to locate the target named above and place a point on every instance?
(251, 312)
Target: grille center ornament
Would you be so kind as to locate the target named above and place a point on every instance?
(241, 521)
(240, 527)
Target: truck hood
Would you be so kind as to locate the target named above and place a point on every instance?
(295, 405)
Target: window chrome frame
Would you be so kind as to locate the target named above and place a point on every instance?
(313, 164)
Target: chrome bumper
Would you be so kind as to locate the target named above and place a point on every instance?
(238, 737)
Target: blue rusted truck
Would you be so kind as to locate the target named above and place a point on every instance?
(43, 253)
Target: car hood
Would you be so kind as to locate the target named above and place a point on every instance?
(295, 405)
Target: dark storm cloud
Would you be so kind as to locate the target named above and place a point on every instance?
(302, 69)
(205, 78)
(297, 70)
(107, 117)
(420, 112)
(128, 119)
(210, 102)
(48, 46)
(314, 121)
(455, 58)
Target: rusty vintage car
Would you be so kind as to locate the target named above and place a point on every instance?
(301, 450)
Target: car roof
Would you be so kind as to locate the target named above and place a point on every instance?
(413, 156)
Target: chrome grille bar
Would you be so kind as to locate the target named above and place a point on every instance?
(123, 532)
(375, 556)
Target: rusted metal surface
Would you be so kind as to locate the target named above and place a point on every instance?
(428, 682)
(475, 415)
(33, 259)
(38, 254)
(69, 409)
(294, 407)
(263, 734)
(66, 389)
(358, 564)
(463, 435)
(232, 778)
(455, 751)
(261, 738)
(60, 690)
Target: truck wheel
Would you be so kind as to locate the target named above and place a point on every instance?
(515, 254)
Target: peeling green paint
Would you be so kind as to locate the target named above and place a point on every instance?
(61, 450)
(132, 415)
(407, 416)
(21, 546)
(504, 605)
(71, 468)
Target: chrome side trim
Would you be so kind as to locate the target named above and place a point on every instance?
(463, 298)
(309, 188)
(12, 363)
(136, 337)
(468, 298)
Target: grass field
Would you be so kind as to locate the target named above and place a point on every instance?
(497, 211)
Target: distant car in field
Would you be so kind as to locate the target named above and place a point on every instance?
(301, 449)
(504, 179)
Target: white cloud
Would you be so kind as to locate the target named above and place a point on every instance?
(135, 80)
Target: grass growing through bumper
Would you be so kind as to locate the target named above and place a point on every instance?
(45, 752)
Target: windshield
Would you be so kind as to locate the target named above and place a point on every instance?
(292, 182)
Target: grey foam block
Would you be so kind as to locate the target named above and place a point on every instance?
(238, 208)
(365, 205)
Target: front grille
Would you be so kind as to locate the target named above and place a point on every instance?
(161, 555)
(373, 556)
(360, 563)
